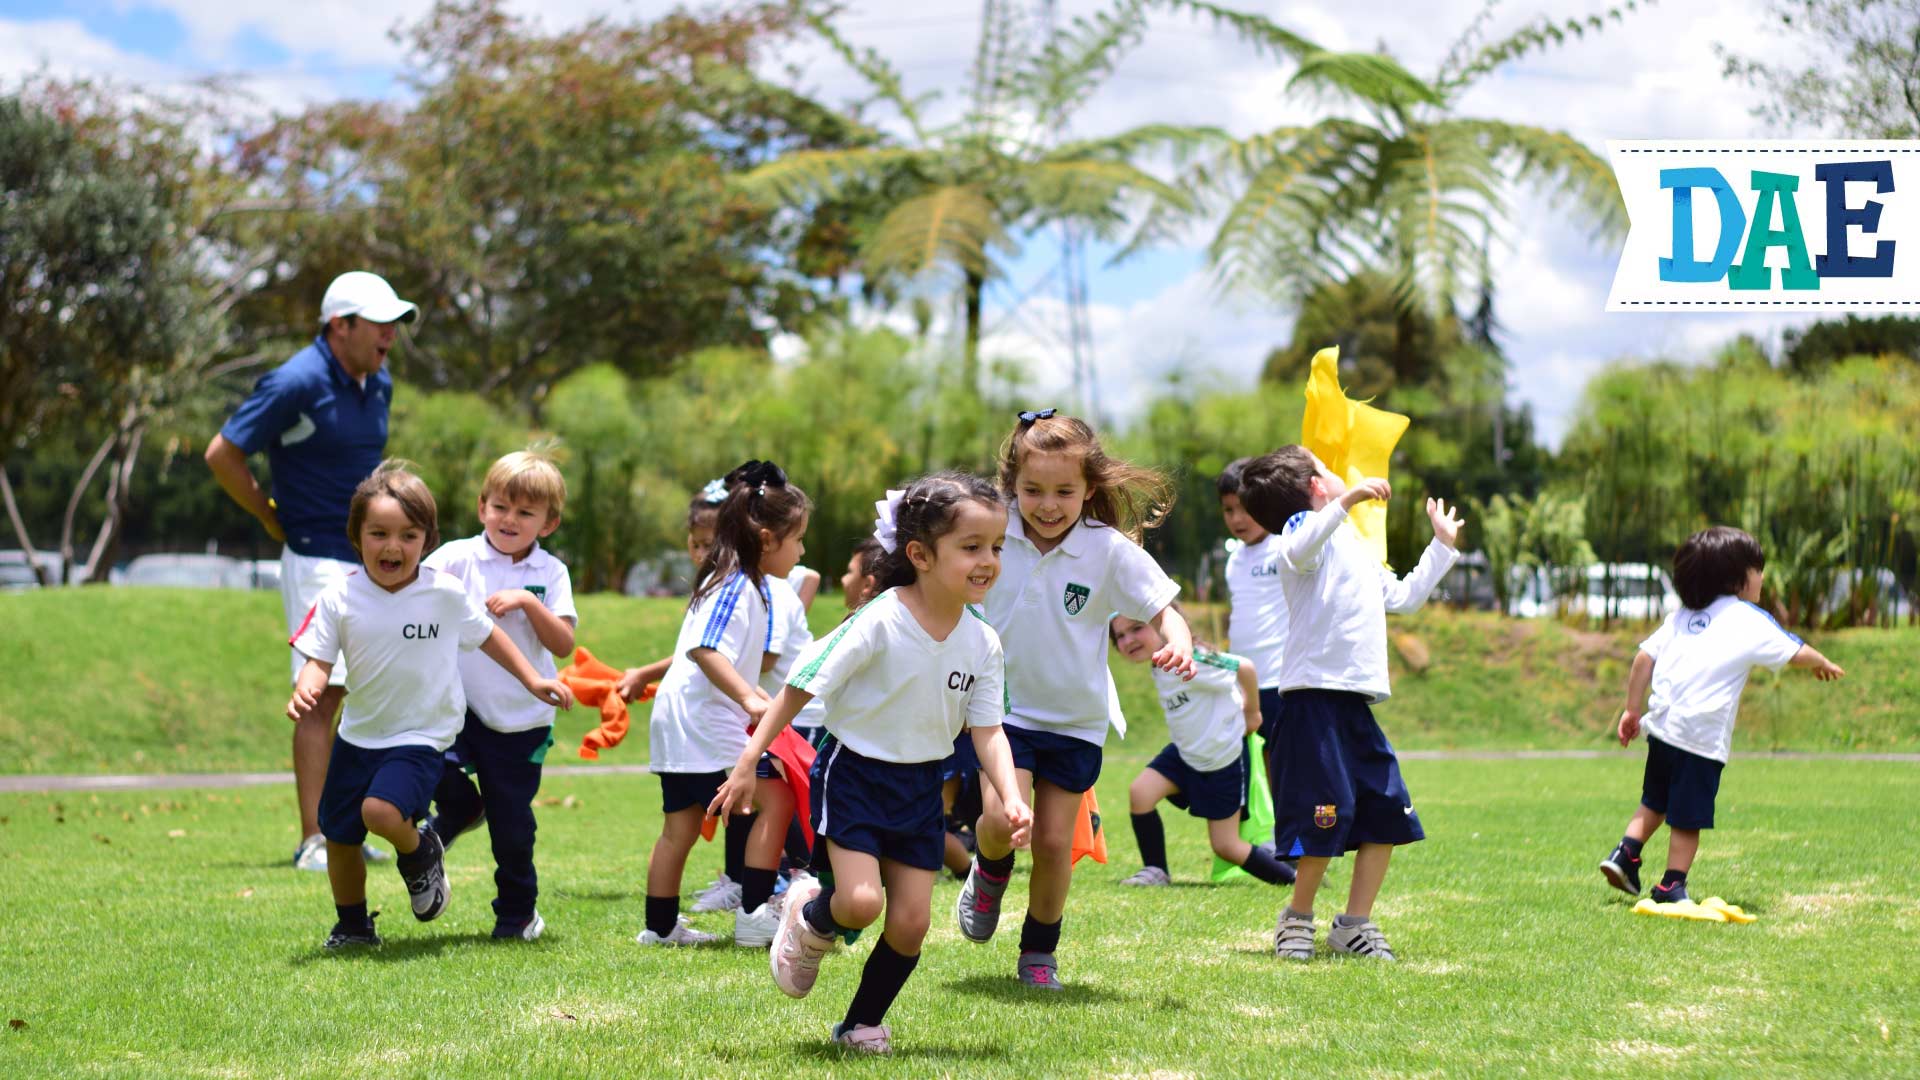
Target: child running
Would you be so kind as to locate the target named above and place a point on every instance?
(1339, 787)
(400, 627)
(903, 676)
(1696, 665)
(711, 696)
(1204, 769)
(1256, 609)
(1072, 558)
(504, 740)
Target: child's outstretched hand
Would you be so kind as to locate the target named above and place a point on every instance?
(1446, 522)
(553, 692)
(1020, 817)
(1629, 728)
(735, 794)
(1827, 671)
(1373, 487)
(303, 702)
(1174, 662)
(629, 688)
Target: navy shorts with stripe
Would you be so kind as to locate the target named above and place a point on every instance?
(1061, 760)
(1211, 795)
(402, 775)
(885, 809)
(1337, 782)
(681, 790)
(1680, 784)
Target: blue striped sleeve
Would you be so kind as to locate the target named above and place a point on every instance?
(724, 603)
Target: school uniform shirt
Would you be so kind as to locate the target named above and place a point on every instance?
(402, 651)
(788, 636)
(1700, 664)
(695, 727)
(1257, 621)
(494, 695)
(1206, 718)
(1338, 597)
(894, 693)
(1051, 613)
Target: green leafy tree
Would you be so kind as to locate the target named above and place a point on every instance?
(1857, 73)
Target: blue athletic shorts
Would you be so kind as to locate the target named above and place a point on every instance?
(885, 809)
(402, 775)
(1061, 760)
(963, 762)
(1211, 795)
(681, 790)
(1337, 783)
(1680, 784)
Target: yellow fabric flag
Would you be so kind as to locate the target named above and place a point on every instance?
(1353, 439)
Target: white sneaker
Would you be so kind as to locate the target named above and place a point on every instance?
(528, 931)
(311, 854)
(373, 854)
(722, 895)
(755, 929)
(1149, 875)
(1361, 939)
(797, 947)
(682, 935)
(864, 1038)
(1293, 938)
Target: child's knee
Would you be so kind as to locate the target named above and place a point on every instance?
(380, 814)
(861, 904)
(1053, 840)
(907, 929)
(1141, 796)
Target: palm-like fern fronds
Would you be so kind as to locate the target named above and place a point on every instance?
(947, 228)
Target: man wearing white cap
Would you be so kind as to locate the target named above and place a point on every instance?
(322, 419)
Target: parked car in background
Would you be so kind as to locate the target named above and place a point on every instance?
(17, 574)
(1468, 583)
(255, 574)
(185, 571)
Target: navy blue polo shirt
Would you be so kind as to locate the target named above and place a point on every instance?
(323, 434)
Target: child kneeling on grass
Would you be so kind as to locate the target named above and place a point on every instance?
(1696, 665)
(901, 678)
(401, 628)
(1204, 769)
(1338, 785)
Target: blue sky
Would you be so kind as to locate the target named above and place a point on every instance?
(1655, 77)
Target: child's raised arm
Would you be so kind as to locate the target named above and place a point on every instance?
(1402, 595)
(1809, 657)
(1639, 680)
(501, 650)
(1176, 656)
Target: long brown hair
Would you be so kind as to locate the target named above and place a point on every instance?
(1119, 493)
(758, 497)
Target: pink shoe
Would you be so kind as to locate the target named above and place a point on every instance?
(864, 1038)
(797, 947)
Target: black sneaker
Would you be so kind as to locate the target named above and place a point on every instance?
(1622, 871)
(344, 935)
(1670, 894)
(424, 871)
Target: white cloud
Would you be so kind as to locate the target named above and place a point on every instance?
(64, 48)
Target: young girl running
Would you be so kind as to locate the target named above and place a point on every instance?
(902, 677)
(1204, 769)
(1072, 558)
(706, 704)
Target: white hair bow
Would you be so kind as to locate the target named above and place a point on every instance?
(884, 529)
(714, 492)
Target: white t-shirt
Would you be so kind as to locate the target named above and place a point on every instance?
(493, 694)
(895, 694)
(1257, 623)
(1700, 664)
(1338, 597)
(797, 575)
(788, 636)
(1206, 718)
(403, 656)
(695, 727)
(1051, 614)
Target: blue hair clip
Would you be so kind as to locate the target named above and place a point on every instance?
(1030, 417)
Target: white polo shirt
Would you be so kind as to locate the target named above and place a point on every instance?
(493, 694)
(403, 656)
(1257, 622)
(895, 694)
(789, 636)
(1051, 614)
(1700, 664)
(1206, 718)
(695, 728)
(1338, 597)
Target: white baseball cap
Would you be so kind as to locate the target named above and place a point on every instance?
(368, 296)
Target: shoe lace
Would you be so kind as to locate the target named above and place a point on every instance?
(1040, 974)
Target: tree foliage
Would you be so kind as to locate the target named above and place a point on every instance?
(1855, 73)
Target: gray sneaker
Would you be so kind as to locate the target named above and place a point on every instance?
(978, 907)
(1149, 875)
(1361, 939)
(425, 872)
(1038, 971)
(1293, 938)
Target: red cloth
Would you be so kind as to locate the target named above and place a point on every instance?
(593, 683)
(796, 757)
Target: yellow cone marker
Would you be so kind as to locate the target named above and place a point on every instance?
(1713, 909)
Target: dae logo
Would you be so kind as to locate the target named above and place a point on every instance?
(1768, 223)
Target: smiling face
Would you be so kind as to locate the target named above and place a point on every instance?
(1240, 524)
(512, 525)
(1137, 641)
(390, 544)
(780, 554)
(1052, 489)
(360, 346)
(966, 560)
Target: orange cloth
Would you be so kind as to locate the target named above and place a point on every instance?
(592, 683)
(1088, 837)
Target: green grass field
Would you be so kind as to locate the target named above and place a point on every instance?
(162, 934)
(174, 680)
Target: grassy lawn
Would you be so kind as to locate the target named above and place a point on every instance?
(161, 934)
(174, 680)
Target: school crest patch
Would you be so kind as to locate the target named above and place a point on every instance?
(538, 590)
(1325, 815)
(1076, 598)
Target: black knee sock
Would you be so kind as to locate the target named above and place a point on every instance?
(819, 915)
(880, 982)
(739, 827)
(1152, 837)
(755, 887)
(1631, 846)
(1036, 936)
(1000, 867)
(1673, 877)
(1261, 864)
(663, 913)
(353, 915)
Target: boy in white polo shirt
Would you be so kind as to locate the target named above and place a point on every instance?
(1339, 787)
(1257, 608)
(400, 627)
(1696, 664)
(506, 735)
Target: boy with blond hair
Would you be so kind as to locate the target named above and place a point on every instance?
(507, 733)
